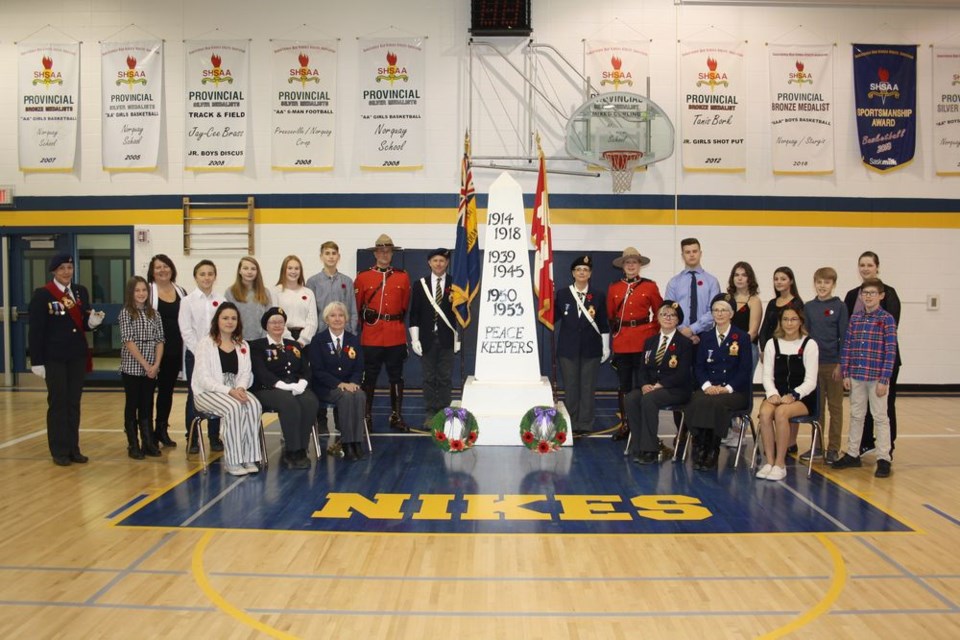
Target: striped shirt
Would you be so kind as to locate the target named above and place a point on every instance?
(870, 347)
(145, 333)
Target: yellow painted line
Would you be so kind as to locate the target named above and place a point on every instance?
(832, 477)
(200, 576)
(837, 583)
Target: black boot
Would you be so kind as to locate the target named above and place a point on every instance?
(133, 446)
(396, 408)
(358, 452)
(147, 445)
(161, 436)
(213, 433)
(624, 431)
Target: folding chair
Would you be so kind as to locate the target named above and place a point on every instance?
(199, 418)
(815, 435)
(678, 407)
(741, 417)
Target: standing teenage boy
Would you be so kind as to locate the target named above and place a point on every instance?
(332, 286)
(693, 289)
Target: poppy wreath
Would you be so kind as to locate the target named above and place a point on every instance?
(537, 423)
(449, 416)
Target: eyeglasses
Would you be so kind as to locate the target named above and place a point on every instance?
(667, 315)
(866, 293)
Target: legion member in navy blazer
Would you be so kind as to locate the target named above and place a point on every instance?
(723, 369)
(337, 364)
(666, 379)
(583, 343)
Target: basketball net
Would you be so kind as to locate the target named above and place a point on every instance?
(622, 163)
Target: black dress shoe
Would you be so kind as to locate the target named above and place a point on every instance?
(621, 434)
(348, 451)
(646, 457)
(710, 459)
(61, 461)
(194, 448)
(358, 451)
(216, 444)
(79, 458)
(792, 449)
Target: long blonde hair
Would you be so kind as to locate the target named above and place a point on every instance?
(260, 293)
(283, 271)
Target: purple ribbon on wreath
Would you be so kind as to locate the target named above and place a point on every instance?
(450, 428)
(543, 421)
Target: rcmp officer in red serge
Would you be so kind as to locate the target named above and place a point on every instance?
(632, 304)
(433, 334)
(383, 293)
(60, 314)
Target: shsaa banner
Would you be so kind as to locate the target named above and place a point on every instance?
(801, 108)
(946, 116)
(131, 87)
(304, 99)
(390, 134)
(49, 81)
(713, 123)
(885, 88)
(217, 75)
(617, 66)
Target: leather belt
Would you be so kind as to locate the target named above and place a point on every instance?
(372, 315)
(615, 324)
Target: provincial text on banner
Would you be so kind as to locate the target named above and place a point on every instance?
(131, 88)
(48, 105)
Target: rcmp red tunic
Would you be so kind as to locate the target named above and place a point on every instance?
(632, 310)
(382, 300)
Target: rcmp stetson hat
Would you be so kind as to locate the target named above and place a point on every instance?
(630, 252)
(269, 313)
(383, 242)
(59, 259)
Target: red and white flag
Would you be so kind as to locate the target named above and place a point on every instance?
(542, 237)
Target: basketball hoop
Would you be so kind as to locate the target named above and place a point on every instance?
(622, 163)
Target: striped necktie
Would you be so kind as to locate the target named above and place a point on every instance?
(437, 296)
(662, 350)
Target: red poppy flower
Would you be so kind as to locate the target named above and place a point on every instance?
(303, 297)
(673, 347)
(589, 297)
(527, 437)
(472, 436)
(440, 435)
(456, 445)
(734, 337)
(216, 304)
(799, 352)
(828, 312)
(699, 283)
(543, 447)
(243, 351)
(343, 286)
(561, 436)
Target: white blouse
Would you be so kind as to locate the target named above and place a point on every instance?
(300, 305)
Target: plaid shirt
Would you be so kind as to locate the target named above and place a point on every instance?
(144, 332)
(870, 347)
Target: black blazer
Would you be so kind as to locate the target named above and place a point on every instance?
(271, 365)
(576, 336)
(715, 364)
(421, 314)
(890, 304)
(330, 369)
(676, 370)
(53, 335)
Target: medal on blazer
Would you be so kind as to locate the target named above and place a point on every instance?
(67, 302)
(351, 353)
(734, 349)
(672, 363)
(592, 311)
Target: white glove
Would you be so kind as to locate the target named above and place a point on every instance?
(456, 345)
(96, 318)
(415, 341)
(285, 386)
(299, 387)
(40, 371)
(605, 338)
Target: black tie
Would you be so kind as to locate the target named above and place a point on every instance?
(693, 298)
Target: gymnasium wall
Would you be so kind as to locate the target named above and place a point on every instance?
(909, 217)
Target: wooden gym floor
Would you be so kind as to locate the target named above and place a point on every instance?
(494, 544)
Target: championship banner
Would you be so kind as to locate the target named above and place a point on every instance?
(304, 88)
(217, 74)
(49, 100)
(885, 88)
(131, 86)
(801, 108)
(616, 66)
(712, 125)
(390, 134)
(946, 117)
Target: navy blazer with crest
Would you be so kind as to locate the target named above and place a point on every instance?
(715, 364)
(676, 369)
(330, 369)
(576, 336)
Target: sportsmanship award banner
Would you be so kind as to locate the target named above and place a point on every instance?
(617, 66)
(131, 83)
(885, 87)
(801, 108)
(946, 117)
(49, 81)
(712, 122)
(304, 88)
(390, 134)
(216, 124)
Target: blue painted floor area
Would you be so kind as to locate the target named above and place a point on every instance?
(410, 486)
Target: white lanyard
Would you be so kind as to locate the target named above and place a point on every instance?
(583, 309)
(436, 307)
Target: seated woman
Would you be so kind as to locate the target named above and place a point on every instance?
(337, 364)
(665, 379)
(790, 383)
(722, 368)
(220, 379)
(281, 372)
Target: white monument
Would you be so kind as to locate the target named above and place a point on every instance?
(507, 383)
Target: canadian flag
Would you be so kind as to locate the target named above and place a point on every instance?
(542, 237)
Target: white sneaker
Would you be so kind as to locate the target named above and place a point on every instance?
(777, 473)
(249, 467)
(235, 470)
(732, 439)
(764, 471)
